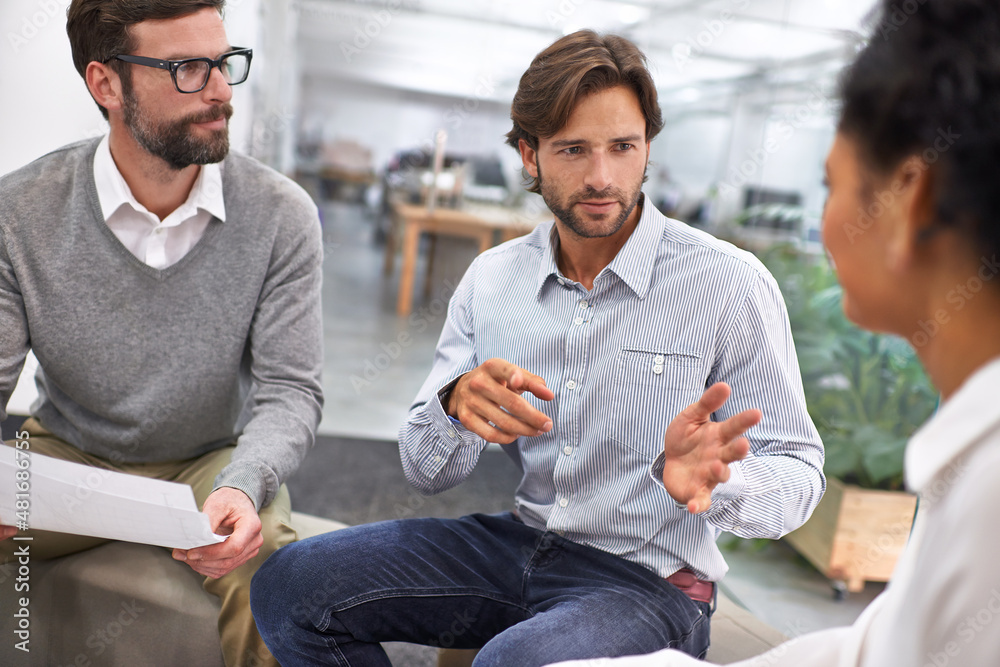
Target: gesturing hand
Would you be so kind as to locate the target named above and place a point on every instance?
(488, 402)
(698, 450)
(229, 511)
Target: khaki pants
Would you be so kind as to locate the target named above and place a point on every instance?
(241, 644)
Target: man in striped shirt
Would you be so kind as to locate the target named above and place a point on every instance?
(618, 357)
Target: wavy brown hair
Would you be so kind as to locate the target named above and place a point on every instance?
(574, 67)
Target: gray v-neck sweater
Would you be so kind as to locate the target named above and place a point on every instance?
(138, 364)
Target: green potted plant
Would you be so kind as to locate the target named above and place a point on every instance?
(867, 394)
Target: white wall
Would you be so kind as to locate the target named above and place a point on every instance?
(45, 103)
(387, 120)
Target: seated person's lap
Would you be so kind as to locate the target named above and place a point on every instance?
(479, 581)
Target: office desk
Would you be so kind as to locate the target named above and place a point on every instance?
(485, 224)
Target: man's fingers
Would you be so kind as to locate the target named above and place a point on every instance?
(239, 542)
(496, 403)
(700, 503)
(489, 433)
(737, 425)
(713, 399)
(522, 381)
(736, 450)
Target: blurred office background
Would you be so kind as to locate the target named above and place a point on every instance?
(348, 97)
(352, 97)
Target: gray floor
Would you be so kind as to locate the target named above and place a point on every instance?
(375, 364)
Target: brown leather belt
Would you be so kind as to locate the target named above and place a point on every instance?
(695, 588)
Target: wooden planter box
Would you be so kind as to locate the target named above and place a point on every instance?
(855, 535)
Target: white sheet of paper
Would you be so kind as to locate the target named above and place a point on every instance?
(69, 497)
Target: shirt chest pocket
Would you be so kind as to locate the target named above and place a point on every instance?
(652, 387)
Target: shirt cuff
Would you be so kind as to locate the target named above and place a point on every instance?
(656, 472)
(451, 435)
(723, 493)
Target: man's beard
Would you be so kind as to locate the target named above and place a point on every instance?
(173, 141)
(576, 224)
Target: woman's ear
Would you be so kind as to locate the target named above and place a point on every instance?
(915, 220)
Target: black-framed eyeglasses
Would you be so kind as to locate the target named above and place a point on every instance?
(191, 75)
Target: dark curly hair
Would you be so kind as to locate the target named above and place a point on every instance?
(928, 84)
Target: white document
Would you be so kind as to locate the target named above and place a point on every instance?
(69, 497)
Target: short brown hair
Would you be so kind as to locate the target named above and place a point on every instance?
(574, 67)
(99, 29)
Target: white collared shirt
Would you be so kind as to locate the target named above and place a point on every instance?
(942, 606)
(158, 243)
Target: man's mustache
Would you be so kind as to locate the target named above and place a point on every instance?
(224, 110)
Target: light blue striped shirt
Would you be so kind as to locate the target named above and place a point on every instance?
(676, 311)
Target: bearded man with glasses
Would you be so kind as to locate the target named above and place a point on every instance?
(171, 292)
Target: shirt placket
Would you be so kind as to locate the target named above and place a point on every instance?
(568, 420)
(156, 246)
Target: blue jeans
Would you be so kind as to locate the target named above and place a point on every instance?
(524, 596)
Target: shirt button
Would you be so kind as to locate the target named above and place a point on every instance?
(567, 450)
(583, 304)
(563, 502)
(438, 459)
(561, 281)
(658, 369)
(658, 359)
(578, 321)
(159, 230)
(451, 433)
(571, 385)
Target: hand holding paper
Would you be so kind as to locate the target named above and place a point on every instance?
(229, 511)
(68, 497)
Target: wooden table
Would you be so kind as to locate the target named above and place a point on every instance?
(482, 223)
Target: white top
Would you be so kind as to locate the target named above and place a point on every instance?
(942, 606)
(157, 243)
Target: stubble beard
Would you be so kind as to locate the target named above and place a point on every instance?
(596, 229)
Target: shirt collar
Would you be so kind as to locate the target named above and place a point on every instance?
(633, 263)
(965, 418)
(113, 192)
